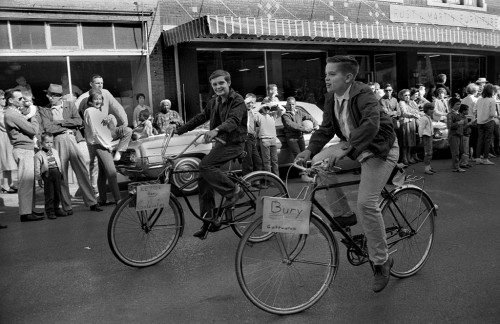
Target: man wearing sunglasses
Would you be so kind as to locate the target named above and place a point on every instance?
(61, 118)
(21, 133)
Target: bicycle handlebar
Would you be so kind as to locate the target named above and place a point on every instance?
(168, 136)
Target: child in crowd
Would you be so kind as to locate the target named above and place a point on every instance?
(144, 128)
(464, 110)
(47, 168)
(425, 131)
(455, 122)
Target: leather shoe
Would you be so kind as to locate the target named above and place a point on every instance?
(60, 213)
(106, 203)
(95, 208)
(69, 212)
(344, 221)
(202, 233)
(3, 226)
(37, 213)
(30, 218)
(382, 274)
(51, 216)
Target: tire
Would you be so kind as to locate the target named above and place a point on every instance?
(180, 179)
(135, 243)
(410, 238)
(291, 278)
(248, 208)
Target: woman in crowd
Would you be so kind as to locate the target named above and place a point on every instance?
(166, 117)
(7, 162)
(470, 100)
(98, 133)
(408, 121)
(141, 99)
(486, 113)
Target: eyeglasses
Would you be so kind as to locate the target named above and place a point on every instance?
(21, 98)
(388, 90)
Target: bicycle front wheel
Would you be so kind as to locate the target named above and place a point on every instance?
(249, 208)
(409, 222)
(287, 273)
(143, 238)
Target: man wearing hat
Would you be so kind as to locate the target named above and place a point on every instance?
(481, 82)
(61, 118)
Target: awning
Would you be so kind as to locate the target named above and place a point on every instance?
(245, 28)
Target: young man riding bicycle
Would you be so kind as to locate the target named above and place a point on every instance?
(227, 113)
(352, 112)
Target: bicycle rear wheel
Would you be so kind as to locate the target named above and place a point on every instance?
(143, 238)
(409, 223)
(287, 273)
(249, 208)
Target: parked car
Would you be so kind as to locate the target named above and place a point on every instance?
(440, 136)
(143, 161)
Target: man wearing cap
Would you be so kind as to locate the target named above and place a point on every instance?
(61, 118)
(21, 133)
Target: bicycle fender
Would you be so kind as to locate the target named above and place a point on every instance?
(176, 202)
(411, 186)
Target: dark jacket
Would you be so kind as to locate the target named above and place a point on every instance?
(373, 131)
(292, 124)
(72, 120)
(231, 119)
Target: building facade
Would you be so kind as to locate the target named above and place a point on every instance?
(401, 42)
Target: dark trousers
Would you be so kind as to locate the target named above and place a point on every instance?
(484, 139)
(427, 142)
(211, 176)
(496, 139)
(52, 190)
(473, 141)
(296, 145)
(252, 161)
(106, 174)
(456, 149)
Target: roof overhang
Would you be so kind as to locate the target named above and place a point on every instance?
(262, 29)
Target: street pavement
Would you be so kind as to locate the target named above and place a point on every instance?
(62, 271)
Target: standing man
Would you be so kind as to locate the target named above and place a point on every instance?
(292, 124)
(21, 134)
(227, 114)
(353, 113)
(252, 161)
(61, 118)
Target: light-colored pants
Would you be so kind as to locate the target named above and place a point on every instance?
(68, 150)
(374, 175)
(269, 153)
(25, 160)
(91, 165)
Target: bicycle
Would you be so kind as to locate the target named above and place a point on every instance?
(288, 273)
(143, 238)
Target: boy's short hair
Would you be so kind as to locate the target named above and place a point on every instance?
(428, 106)
(271, 86)
(290, 98)
(250, 95)
(218, 73)
(348, 64)
(144, 113)
(46, 135)
(453, 101)
(140, 95)
(463, 107)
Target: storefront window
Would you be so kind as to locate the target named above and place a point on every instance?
(128, 36)
(4, 35)
(385, 70)
(64, 35)
(28, 35)
(298, 74)
(96, 36)
(460, 70)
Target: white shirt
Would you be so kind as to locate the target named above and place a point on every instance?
(95, 131)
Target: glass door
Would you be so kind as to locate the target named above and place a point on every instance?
(385, 70)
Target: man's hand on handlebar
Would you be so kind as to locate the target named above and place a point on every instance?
(303, 157)
(210, 135)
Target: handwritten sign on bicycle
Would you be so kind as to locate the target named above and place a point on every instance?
(285, 215)
(152, 196)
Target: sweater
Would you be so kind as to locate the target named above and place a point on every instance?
(21, 131)
(486, 110)
(109, 106)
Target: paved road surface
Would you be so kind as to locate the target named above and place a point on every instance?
(62, 271)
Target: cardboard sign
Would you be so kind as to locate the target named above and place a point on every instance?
(285, 215)
(152, 196)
